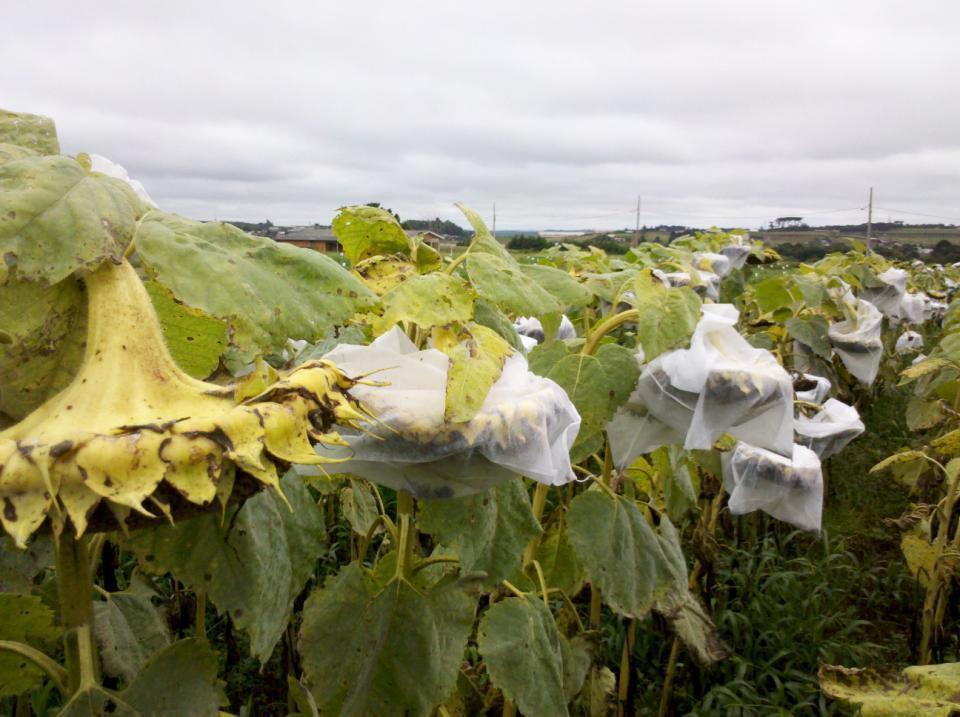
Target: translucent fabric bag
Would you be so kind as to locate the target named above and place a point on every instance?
(857, 341)
(788, 489)
(812, 388)
(526, 425)
(706, 286)
(720, 384)
(893, 300)
(737, 254)
(709, 261)
(909, 342)
(830, 430)
(531, 327)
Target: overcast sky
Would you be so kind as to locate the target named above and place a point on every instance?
(560, 112)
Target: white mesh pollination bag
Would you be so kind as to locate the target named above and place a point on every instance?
(526, 425)
(530, 327)
(720, 384)
(812, 388)
(718, 264)
(909, 342)
(788, 489)
(857, 339)
(893, 300)
(830, 430)
(737, 252)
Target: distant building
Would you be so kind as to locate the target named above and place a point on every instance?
(310, 237)
(431, 239)
(323, 239)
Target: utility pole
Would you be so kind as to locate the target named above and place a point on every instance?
(494, 220)
(870, 220)
(636, 231)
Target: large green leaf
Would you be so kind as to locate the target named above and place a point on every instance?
(619, 551)
(252, 566)
(19, 568)
(559, 561)
(620, 365)
(129, 629)
(195, 340)
(487, 314)
(33, 132)
(56, 217)
(569, 292)
(610, 286)
(772, 294)
(47, 328)
(11, 153)
(927, 691)
(520, 644)
(267, 291)
(666, 316)
(367, 231)
(483, 241)
(426, 300)
(476, 363)
(179, 681)
(811, 331)
(23, 618)
(681, 608)
(488, 531)
(370, 649)
(358, 504)
(501, 281)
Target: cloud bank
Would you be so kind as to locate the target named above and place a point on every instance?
(716, 113)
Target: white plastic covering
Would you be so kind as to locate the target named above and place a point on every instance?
(707, 286)
(857, 341)
(525, 426)
(934, 309)
(720, 384)
(531, 327)
(718, 264)
(112, 169)
(818, 392)
(789, 489)
(829, 431)
(908, 342)
(893, 300)
(737, 253)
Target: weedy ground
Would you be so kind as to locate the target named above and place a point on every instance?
(785, 601)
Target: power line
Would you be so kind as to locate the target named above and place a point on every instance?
(919, 214)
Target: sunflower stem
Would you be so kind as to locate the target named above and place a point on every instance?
(75, 581)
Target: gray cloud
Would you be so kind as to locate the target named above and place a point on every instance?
(729, 113)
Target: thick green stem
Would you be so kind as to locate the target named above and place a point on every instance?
(408, 534)
(938, 586)
(668, 680)
(75, 581)
(55, 672)
(596, 603)
(623, 679)
(605, 327)
(456, 262)
(200, 627)
(539, 503)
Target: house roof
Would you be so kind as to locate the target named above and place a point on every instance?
(308, 234)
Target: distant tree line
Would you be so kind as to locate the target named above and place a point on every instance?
(437, 225)
(944, 252)
(528, 242)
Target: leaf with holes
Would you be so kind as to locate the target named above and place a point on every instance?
(520, 645)
(488, 531)
(369, 648)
